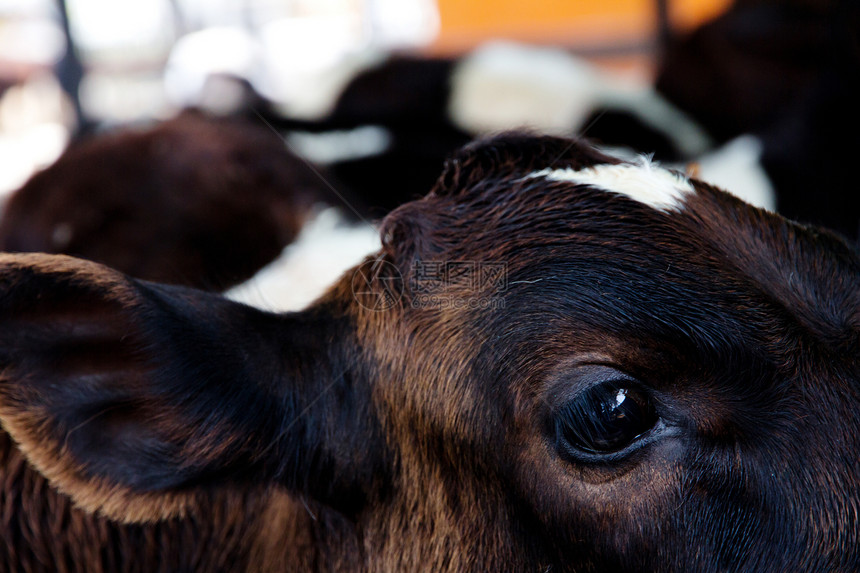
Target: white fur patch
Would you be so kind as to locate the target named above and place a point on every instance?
(341, 145)
(504, 85)
(326, 247)
(644, 182)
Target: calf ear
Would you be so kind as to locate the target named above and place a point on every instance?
(128, 395)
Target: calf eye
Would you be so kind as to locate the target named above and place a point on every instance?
(605, 418)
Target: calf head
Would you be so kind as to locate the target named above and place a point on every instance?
(582, 364)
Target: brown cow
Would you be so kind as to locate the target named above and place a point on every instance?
(195, 200)
(557, 362)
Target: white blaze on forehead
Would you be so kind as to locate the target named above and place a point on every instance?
(644, 182)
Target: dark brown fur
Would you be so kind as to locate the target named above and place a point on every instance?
(197, 201)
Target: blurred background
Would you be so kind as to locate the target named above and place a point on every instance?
(234, 120)
(133, 60)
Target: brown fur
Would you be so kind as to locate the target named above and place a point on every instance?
(43, 531)
(195, 200)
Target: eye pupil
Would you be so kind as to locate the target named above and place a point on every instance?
(605, 418)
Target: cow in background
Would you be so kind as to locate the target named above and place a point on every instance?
(395, 121)
(787, 72)
(195, 200)
(775, 80)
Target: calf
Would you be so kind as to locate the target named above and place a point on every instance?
(558, 361)
(788, 73)
(195, 200)
(406, 114)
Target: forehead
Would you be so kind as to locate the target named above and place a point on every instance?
(635, 249)
(580, 205)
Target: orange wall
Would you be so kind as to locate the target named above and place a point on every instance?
(574, 22)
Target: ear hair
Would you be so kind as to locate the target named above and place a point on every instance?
(23, 278)
(107, 386)
(94, 494)
(138, 399)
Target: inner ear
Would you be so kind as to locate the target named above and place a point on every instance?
(127, 395)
